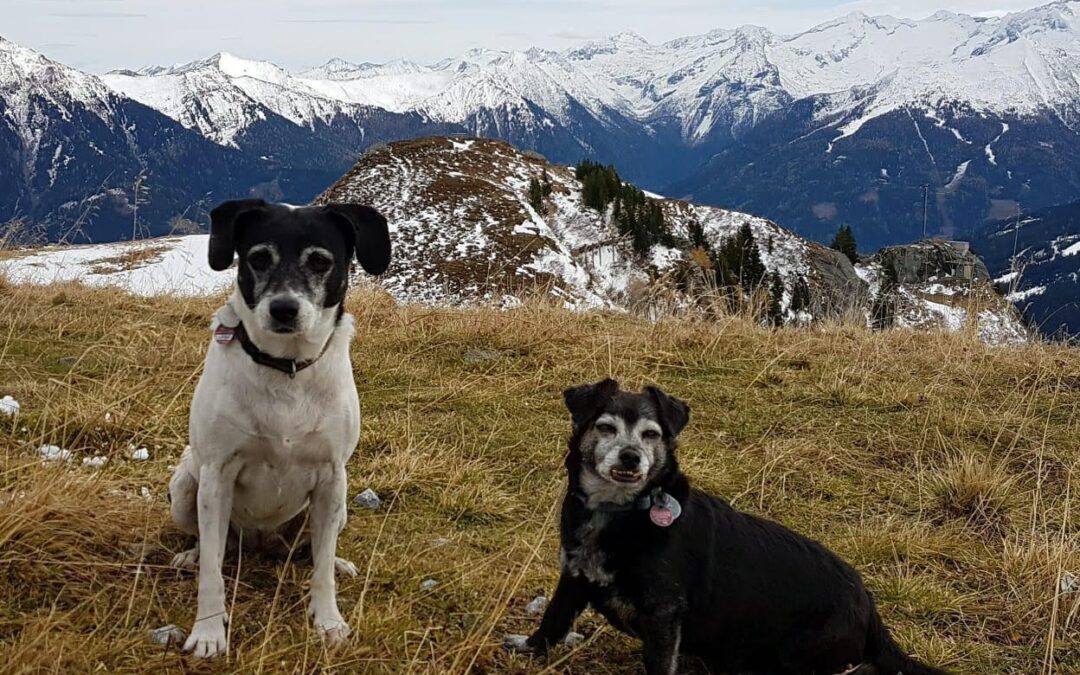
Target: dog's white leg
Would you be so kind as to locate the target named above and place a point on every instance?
(208, 637)
(327, 519)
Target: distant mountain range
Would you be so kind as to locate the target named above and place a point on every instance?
(841, 124)
(1036, 260)
(467, 229)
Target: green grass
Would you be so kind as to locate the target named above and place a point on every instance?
(943, 469)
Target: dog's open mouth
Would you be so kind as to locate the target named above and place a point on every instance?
(625, 475)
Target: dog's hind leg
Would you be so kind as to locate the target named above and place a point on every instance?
(183, 497)
(297, 534)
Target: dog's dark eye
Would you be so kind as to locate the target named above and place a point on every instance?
(605, 428)
(319, 263)
(260, 261)
(650, 435)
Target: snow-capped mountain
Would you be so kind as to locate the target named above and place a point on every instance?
(75, 155)
(841, 123)
(315, 125)
(1035, 258)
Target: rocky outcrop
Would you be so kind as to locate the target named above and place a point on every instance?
(936, 284)
(836, 287)
(932, 259)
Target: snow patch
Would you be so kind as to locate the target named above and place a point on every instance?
(9, 406)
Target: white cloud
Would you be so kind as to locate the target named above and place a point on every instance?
(106, 34)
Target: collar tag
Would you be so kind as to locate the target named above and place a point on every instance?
(223, 334)
(665, 510)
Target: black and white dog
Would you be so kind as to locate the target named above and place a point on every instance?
(687, 573)
(276, 415)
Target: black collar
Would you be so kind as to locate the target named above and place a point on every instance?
(288, 366)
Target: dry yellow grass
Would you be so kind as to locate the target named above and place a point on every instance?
(943, 469)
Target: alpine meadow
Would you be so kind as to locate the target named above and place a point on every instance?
(840, 263)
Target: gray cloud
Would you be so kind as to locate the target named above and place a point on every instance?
(377, 22)
(98, 15)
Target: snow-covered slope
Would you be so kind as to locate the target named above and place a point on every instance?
(464, 231)
(1036, 260)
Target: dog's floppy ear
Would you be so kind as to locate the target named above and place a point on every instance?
(674, 414)
(370, 233)
(223, 221)
(585, 401)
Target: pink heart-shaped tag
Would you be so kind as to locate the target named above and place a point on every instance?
(661, 516)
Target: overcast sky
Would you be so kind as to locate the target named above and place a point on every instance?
(98, 35)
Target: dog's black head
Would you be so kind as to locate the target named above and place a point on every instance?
(623, 441)
(294, 262)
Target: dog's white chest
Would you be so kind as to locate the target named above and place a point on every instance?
(283, 435)
(587, 559)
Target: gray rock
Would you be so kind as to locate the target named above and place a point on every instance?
(428, 584)
(536, 605)
(482, 355)
(368, 500)
(573, 639)
(1069, 583)
(835, 287)
(168, 635)
(919, 262)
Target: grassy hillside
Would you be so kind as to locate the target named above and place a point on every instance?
(942, 468)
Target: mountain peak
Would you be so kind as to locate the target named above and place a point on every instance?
(629, 37)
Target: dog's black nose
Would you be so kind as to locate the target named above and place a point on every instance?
(629, 459)
(284, 310)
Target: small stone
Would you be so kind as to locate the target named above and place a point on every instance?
(9, 406)
(141, 455)
(428, 584)
(145, 493)
(167, 635)
(481, 355)
(573, 639)
(368, 499)
(95, 462)
(536, 605)
(54, 453)
(1069, 583)
(439, 542)
(516, 643)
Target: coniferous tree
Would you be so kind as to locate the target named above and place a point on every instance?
(800, 294)
(743, 260)
(844, 241)
(776, 300)
(536, 196)
(695, 232)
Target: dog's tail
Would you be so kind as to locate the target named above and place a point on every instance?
(886, 656)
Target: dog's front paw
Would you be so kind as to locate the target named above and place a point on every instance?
(345, 568)
(333, 630)
(522, 644)
(208, 639)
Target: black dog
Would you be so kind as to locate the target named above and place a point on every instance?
(684, 571)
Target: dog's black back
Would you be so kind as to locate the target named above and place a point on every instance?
(744, 594)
